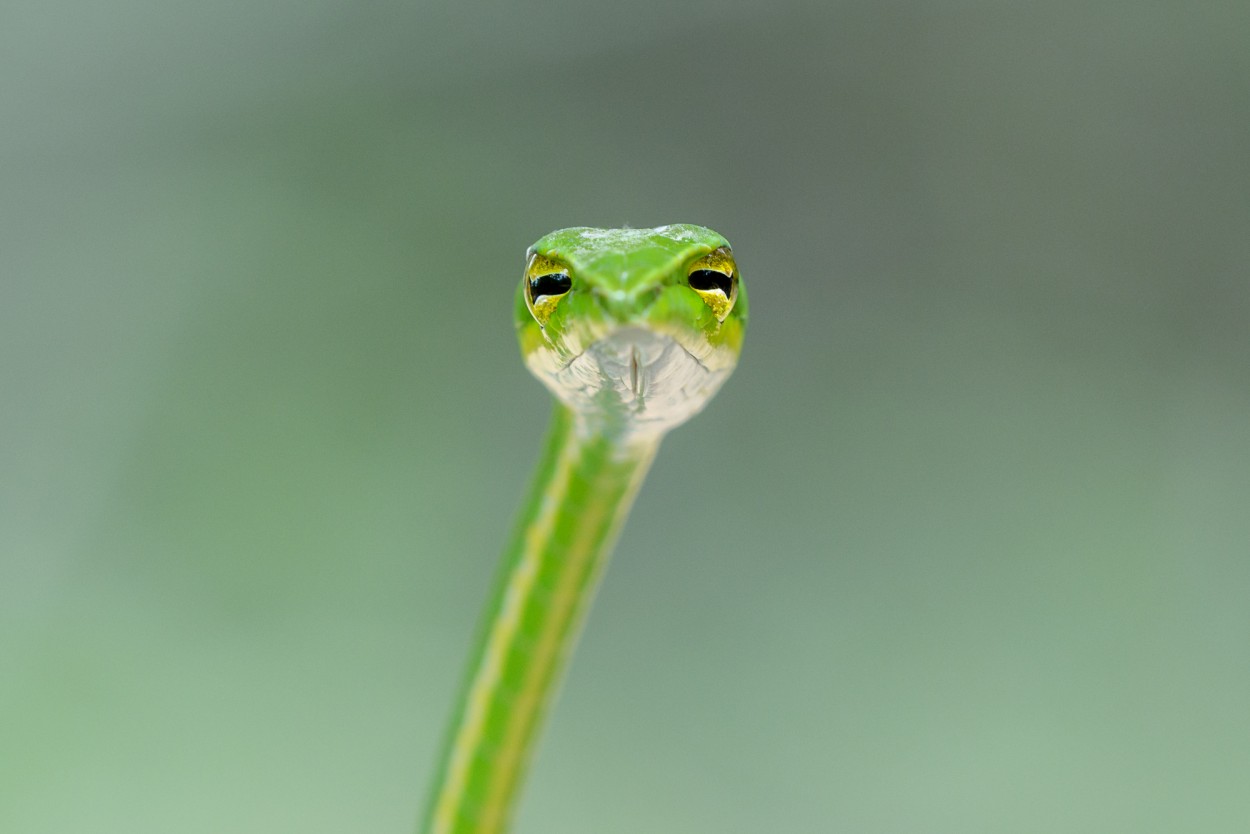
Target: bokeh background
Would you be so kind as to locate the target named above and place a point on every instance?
(963, 546)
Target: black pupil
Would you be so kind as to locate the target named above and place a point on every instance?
(555, 283)
(705, 280)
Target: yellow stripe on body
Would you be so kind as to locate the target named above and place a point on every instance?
(573, 590)
(502, 638)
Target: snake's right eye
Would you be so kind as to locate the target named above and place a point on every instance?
(546, 282)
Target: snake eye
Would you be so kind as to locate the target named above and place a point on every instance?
(553, 283)
(706, 280)
(715, 278)
(546, 282)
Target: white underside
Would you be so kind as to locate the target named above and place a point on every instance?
(650, 379)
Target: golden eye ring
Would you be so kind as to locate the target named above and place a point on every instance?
(546, 282)
(715, 278)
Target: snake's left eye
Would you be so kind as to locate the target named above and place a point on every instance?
(546, 282)
(715, 278)
(552, 283)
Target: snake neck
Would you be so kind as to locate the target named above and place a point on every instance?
(577, 503)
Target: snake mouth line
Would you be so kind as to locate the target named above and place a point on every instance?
(636, 363)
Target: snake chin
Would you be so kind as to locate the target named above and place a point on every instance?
(646, 380)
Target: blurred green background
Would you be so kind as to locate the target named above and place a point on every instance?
(961, 548)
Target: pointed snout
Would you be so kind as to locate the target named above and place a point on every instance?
(625, 305)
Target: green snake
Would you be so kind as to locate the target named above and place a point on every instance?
(633, 330)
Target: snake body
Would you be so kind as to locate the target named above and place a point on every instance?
(633, 331)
